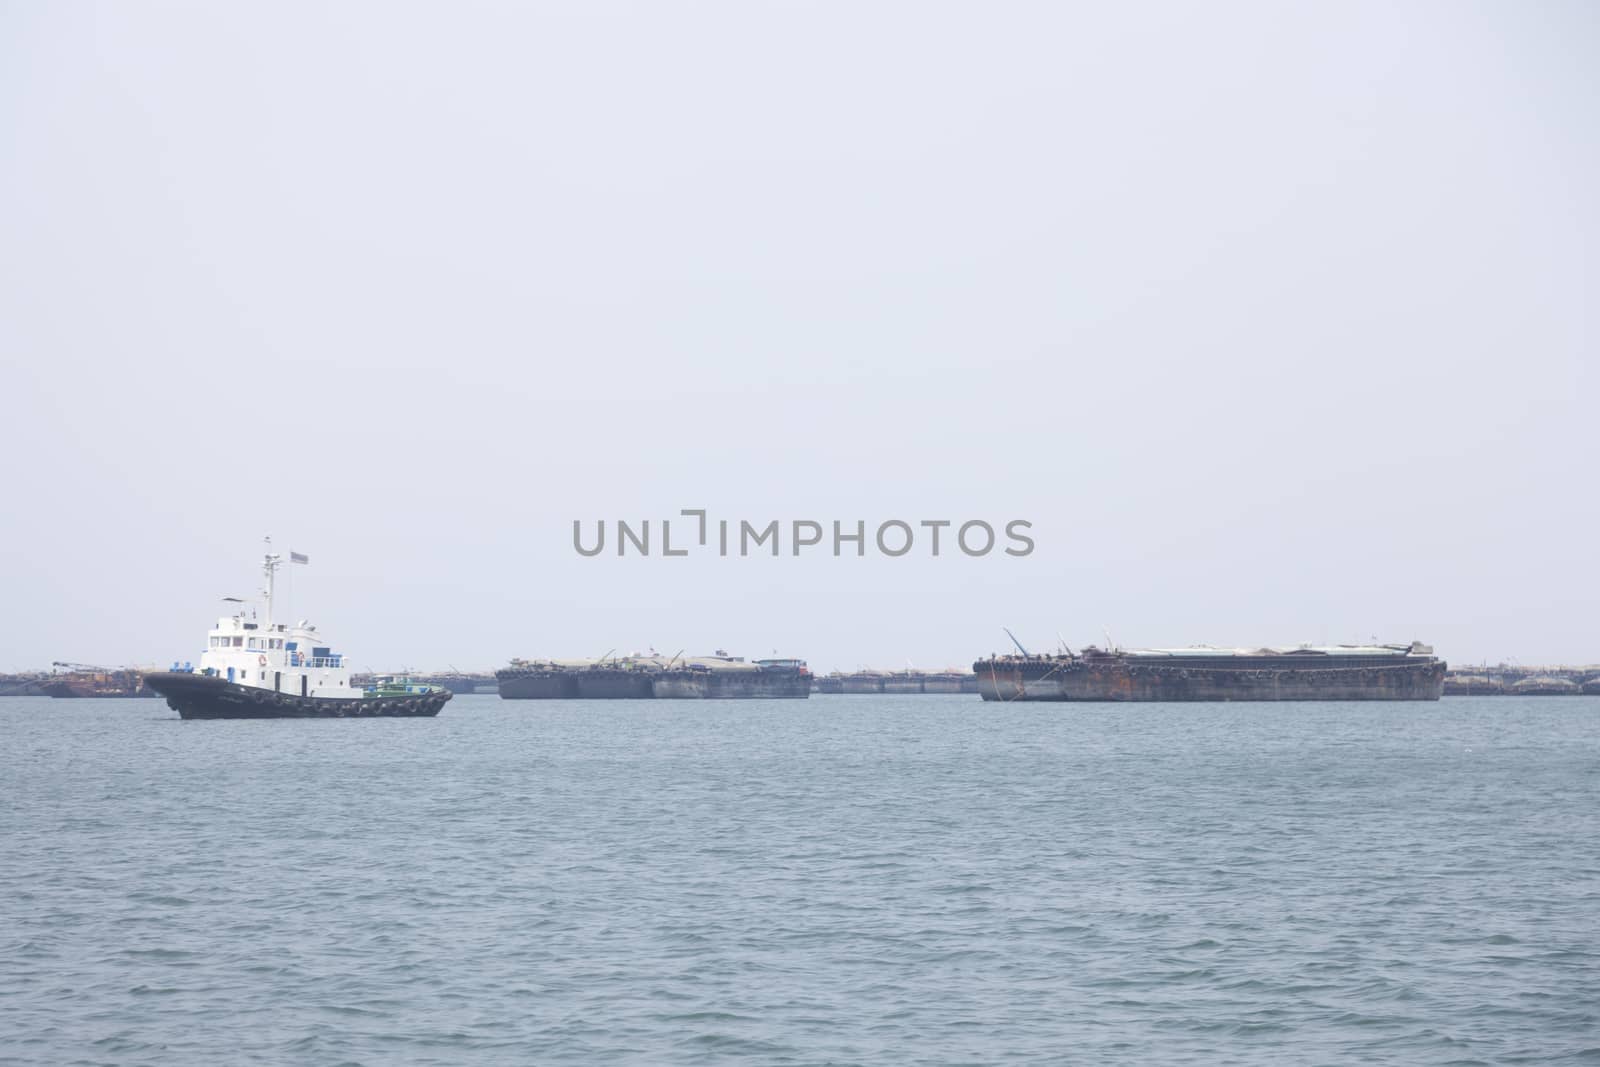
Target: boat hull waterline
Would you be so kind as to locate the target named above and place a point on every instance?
(199, 696)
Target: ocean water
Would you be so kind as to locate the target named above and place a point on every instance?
(908, 880)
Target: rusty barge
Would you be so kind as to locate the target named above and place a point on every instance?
(1342, 672)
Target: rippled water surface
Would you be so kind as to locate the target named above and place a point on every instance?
(841, 880)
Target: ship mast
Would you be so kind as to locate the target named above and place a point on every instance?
(270, 566)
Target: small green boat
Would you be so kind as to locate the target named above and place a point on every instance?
(392, 688)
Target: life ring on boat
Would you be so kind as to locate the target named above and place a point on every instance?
(262, 659)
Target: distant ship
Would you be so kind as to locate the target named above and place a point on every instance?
(1341, 672)
(872, 682)
(715, 677)
(1545, 685)
(23, 685)
(268, 670)
(81, 681)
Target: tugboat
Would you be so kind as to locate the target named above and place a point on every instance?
(264, 669)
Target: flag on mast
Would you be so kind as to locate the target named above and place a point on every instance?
(296, 557)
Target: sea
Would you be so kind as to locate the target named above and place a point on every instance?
(843, 880)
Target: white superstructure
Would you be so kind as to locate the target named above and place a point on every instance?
(271, 655)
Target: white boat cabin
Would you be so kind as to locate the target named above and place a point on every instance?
(271, 655)
(275, 656)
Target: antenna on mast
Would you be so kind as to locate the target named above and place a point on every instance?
(269, 566)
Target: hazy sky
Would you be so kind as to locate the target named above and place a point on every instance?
(1277, 321)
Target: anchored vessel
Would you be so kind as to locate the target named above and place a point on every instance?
(535, 680)
(96, 682)
(23, 685)
(1504, 680)
(1342, 672)
(719, 676)
(724, 677)
(269, 670)
(872, 682)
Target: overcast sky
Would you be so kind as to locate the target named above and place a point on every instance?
(1277, 321)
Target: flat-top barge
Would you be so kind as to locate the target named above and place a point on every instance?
(652, 677)
(1340, 672)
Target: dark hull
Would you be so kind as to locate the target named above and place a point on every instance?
(456, 683)
(543, 685)
(1009, 680)
(199, 696)
(898, 684)
(605, 684)
(1474, 689)
(731, 685)
(82, 691)
(765, 685)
